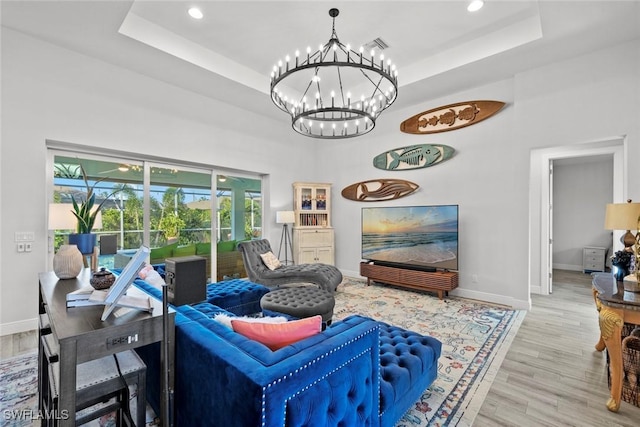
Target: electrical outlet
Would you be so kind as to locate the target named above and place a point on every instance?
(28, 246)
(121, 340)
(20, 247)
(474, 278)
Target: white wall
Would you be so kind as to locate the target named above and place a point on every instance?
(51, 93)
(581, 190)
(574, 105)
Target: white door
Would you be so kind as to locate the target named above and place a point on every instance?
(550, 257)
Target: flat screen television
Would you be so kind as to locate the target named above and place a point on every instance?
(414, 237)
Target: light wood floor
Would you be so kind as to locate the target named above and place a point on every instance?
(551, 376)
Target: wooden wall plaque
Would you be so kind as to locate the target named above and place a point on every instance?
(450, 117)
(377, 190)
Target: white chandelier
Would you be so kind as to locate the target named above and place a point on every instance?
(313, 89)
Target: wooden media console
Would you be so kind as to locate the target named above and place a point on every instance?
(438, 281)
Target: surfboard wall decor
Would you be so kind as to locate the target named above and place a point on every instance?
(413, 157)
(377, 190)
(450, 117)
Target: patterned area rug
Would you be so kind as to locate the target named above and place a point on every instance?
(18, 390)
(475, 338)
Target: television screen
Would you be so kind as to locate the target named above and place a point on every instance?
(412, 236)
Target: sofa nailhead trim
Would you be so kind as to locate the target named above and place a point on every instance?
(290, 374)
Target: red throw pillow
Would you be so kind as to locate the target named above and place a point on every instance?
(278, 335)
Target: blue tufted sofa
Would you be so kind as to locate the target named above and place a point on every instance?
(357, 372)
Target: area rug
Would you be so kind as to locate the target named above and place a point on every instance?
(475, 338)
(18, 390)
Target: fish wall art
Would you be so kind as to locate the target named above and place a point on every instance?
(413, 157)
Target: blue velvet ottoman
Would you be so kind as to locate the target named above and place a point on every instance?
(240, 297)
(408, 366)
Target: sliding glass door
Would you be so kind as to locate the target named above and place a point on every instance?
(168, 207)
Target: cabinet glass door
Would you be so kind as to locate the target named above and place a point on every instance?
(306, 199)
(321, 199)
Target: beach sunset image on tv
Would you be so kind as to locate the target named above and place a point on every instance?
(424, 236)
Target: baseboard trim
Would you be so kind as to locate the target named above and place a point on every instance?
(17, 327)
(570, 267)
(496, 299)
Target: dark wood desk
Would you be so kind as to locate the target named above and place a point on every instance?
(615, 307)
(82, 336)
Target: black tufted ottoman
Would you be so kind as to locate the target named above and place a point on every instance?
(300, 302)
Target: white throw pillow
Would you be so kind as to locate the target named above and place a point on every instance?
(225, 319)
(270, 260)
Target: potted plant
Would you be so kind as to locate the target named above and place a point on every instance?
(86, 211)
(170, 225)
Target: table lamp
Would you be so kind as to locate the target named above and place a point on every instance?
(68, 261)
(623, 216)
(626, 216)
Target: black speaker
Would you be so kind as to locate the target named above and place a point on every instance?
(186, 279)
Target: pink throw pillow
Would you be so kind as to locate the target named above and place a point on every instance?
(278, 335)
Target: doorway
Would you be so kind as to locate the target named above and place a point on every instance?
(541, 206)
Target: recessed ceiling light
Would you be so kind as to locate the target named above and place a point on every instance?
(195, 13)
(475, 5)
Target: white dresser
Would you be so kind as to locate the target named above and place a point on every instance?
(593, 258)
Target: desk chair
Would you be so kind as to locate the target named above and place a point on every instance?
(97, 381)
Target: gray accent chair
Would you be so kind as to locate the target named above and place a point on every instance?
(326, 276)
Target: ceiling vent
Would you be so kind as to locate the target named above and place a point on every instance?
(376, 43)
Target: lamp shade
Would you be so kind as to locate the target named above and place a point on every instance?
(285, 217)
(61, 217)
(622, 216)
